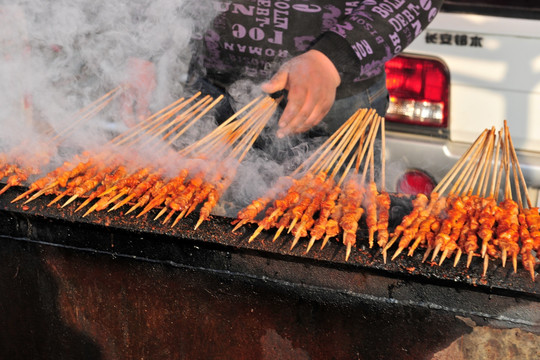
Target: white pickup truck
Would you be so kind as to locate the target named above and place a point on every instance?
(476, 65)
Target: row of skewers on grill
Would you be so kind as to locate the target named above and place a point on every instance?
(326, 197)
(34, 153)
(316, 205)
(471, 218)
(121, 175)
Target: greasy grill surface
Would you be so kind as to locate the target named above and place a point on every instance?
(114, 233)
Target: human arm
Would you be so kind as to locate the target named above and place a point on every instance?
(373, 33)
(358, 46)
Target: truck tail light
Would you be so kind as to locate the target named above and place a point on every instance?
(419, 90)
(415, 181)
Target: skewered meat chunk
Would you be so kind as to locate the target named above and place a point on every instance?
(307, 221)
(430, 225)
(371, 211)
(301, 206)
(487, 221)
(419, 203)
(383, 213)
(351, 200)
(182, 200)
(63, 178)
(533, 221)
(527, 244)
(139, 190)
(508, 230)
(448, 235)
(108, 181)
(212, 199)
(206, 188)
(252, 210)
(159, 195)
(43, 181)
(327, 206)
(19, 176)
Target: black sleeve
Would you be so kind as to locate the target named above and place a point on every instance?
(375, 32)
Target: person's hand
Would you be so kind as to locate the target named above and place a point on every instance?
(140, 83)
(311, 80)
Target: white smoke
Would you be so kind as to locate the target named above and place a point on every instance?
(61, 55)
(58, 56)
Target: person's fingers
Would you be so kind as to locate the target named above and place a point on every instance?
(297, 97)
(311, 80)
(276, 83)
(313, 108)
(297, 111)
(302, 123)
(324, 100)
(317, 114)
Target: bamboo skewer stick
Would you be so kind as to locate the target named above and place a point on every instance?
(357, 126)
(510, 161)
(507, 186)
(372, 228)
(362, 151)
(465, 162)
(232, 141)
(447, 179)
(468, 167)
(147, 126)
(486, 171)
(329, 157)
(359, 130)
(471, 170)
(350, 139)
(366, 121)
(495, 169)
(369, 146)
(330, 142)
(481, 189)
(248, 131)
(516, 162)
(502, 168)
(383, 155)
(480, 169)
(219, 131)
(326, 160)
(371, 140)
(516, 168)
(496, 187)
(153, 122)
(256, 133)
(180, 119)
(185, 128)
(88, 111)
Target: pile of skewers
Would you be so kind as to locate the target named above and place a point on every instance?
(471, 218)
(35, 152)
(15, 167)
(328, 194)
(122, 173)
(314, 204)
